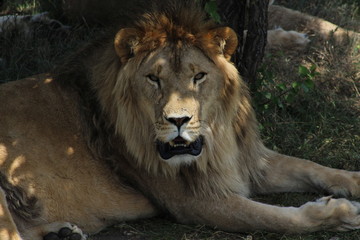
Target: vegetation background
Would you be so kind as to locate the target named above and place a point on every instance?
(319, 121)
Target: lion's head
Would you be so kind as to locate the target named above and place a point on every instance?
(180, 89)
(168, 87)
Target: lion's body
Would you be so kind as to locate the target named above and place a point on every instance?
(154, 118)
(42, 152)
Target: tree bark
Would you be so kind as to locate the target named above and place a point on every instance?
(249, 16)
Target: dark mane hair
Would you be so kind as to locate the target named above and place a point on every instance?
(170, 20)
(174, 20)
(114, 128)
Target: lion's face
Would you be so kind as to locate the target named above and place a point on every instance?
(178, 89)
(175, 82)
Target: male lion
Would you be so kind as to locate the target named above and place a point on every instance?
(153, 118)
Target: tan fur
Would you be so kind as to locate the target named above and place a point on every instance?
(288, 29)
(289, 19)
(82, 142)
(290, 40)
(8, 229)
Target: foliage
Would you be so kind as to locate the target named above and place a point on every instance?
(268, 93)
(212, 9)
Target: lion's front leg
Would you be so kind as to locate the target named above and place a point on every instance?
(289, 174)
(237, 213)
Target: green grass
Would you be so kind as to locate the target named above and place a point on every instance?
(322, 125)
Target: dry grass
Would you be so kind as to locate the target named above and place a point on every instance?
(322, 125)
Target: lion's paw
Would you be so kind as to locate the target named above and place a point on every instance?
(351, 219)
(66, 232)
(334, 214)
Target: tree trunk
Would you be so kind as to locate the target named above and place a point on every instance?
(249, 16)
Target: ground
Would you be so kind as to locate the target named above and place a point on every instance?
(320, 120)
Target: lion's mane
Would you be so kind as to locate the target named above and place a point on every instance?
(116, 128)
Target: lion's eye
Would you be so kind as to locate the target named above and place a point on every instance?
(199, 77)
(153, 79)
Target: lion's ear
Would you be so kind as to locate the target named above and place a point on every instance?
(226, 38)
(125, 42)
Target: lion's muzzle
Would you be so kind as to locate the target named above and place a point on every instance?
(179, 134)
(178, 147)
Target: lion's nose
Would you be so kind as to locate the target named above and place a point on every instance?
(178, 121)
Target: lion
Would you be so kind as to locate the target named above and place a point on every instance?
(152, 118)
(290, 19)
(289, 29)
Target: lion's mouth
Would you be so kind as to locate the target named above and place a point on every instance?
(179, 146)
